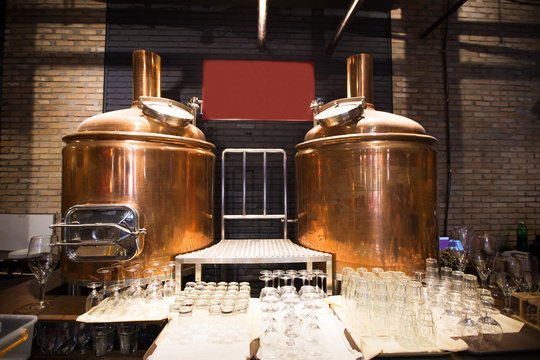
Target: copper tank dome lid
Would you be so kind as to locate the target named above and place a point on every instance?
(150, 116)
(356, 113)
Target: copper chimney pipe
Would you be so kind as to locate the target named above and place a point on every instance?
(360, 77)
(146, 74)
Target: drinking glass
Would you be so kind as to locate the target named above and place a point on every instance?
(128, 335)
(459, 246)
(43, 255)
(65, 338)
(277, 274)
(153, 288)
(292, 325)
(46, 337)
(169, 287)
(83, 334)
(483, 250)
(427, 331)
(312, 333)
(467, 325)
(105, 272)
(491, 329)
(293, 274)
(285, 278)
(119, 268)
(506, 280)
(305, 275)
(94, 298)
(103, 335)
(446, 273)
(135, 291)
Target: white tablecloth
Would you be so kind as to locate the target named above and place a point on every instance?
(229, 337)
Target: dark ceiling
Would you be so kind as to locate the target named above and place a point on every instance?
(367, 5)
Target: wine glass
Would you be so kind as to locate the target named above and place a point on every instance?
(83, 335)
(507, 268)
(277, 275)
(94, 298)
(119, 268)
(491, 329)
(169, 287)
(483, 250)
(135, 291)
(104, 271)
(43, 255)
(459, 246)
(529, 269)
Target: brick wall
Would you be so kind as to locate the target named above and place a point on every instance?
(493, 53)
(52, 80)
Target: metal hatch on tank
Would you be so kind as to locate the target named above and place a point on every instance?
(137, 183)
(367, 182)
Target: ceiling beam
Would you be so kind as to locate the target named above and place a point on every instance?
(445, 16)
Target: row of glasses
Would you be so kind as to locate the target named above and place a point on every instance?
(290, 321)
(141, 293)
(509, 272)
(277, 278)
(393, 304)
(477, 247)
(209, 311)
(63, 338)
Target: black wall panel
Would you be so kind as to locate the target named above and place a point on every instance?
(184, 36)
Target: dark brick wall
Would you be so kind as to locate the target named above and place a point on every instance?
(52, 79)
(184, 36)
(493, 53)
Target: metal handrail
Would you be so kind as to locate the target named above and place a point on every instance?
(264, 215)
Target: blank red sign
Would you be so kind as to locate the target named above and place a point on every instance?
(257, 90)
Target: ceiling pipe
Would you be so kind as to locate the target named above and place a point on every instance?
(261, 34)
(445, 16)
(331, 46)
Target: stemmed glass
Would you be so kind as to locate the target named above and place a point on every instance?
(43, 255)
(135, 290)
(507, 268)
(311, 329)
(155, 281)
(292, 324)
(83, 335)
(491, 329)
(119, 268)
(320, 275)
(94, 298)
(277, 275)
(529, 268)
(293, 274)
(459, 246)
(153, 288)
(104, 271)
(483, 252)
(270, 338)
(169, 288)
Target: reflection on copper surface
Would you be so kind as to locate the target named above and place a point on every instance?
(165, 171)
(172, 185)
(371, 204)
(367, 189)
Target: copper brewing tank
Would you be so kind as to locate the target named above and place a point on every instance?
(147, 162)
(367, 182)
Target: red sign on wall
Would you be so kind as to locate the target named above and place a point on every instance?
(257, 90)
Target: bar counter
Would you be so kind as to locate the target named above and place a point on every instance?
(17, 292)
